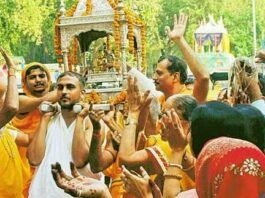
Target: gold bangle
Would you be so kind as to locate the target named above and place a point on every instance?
(175, 165)
(177, 176)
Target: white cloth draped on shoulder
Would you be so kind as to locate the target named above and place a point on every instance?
(58, 149)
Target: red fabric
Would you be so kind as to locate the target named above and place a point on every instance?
(230, 168)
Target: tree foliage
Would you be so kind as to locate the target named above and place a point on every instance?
(236, 14)
(26, 26)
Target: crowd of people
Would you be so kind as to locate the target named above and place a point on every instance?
(170, 142)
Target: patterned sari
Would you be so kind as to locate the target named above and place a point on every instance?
(160, 152)
(229, 168)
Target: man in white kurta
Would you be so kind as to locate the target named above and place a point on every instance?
(61, 137)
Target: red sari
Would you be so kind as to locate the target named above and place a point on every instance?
(230, 168)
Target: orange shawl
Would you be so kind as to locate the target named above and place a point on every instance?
(28, 125)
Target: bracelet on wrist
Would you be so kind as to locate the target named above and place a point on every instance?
(175, 165)
(176, 176)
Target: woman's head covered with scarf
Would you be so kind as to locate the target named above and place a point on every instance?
(228, 167)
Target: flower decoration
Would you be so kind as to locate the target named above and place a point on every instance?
(93, 98)
(72, 10)
(72, 55)
(57, 39)
(120, 98)
(251, 166)
(132, 19)
(88, 7)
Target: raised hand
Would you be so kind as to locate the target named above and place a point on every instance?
(179, 27)
(141, 140)
(108, 117)
(95, 117)
(136, 184)
(10, 64)
(135, 100)
(115, 129)
(109, 120)
(177, 138)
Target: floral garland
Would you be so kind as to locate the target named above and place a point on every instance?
(72, 55)
(139, 22)
(57, 33)
(132, 19)
(116, 33)
(117, 38)
(92, 97)
(143, 42)
(120, 98)
(57, 39)
(95, 98)
(88, 8)
(72, 10)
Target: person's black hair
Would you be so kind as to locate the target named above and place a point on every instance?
(176, 65)
(212, 120)
(73, 74)
(35, 67)
(255, 123)
(189, 81)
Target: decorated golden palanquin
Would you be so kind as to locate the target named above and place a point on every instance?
(85, 22)
(88, 20)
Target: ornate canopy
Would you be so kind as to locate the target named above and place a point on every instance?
(88, 20)
(211, 32)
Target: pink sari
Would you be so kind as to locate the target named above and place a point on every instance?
(230, 168)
